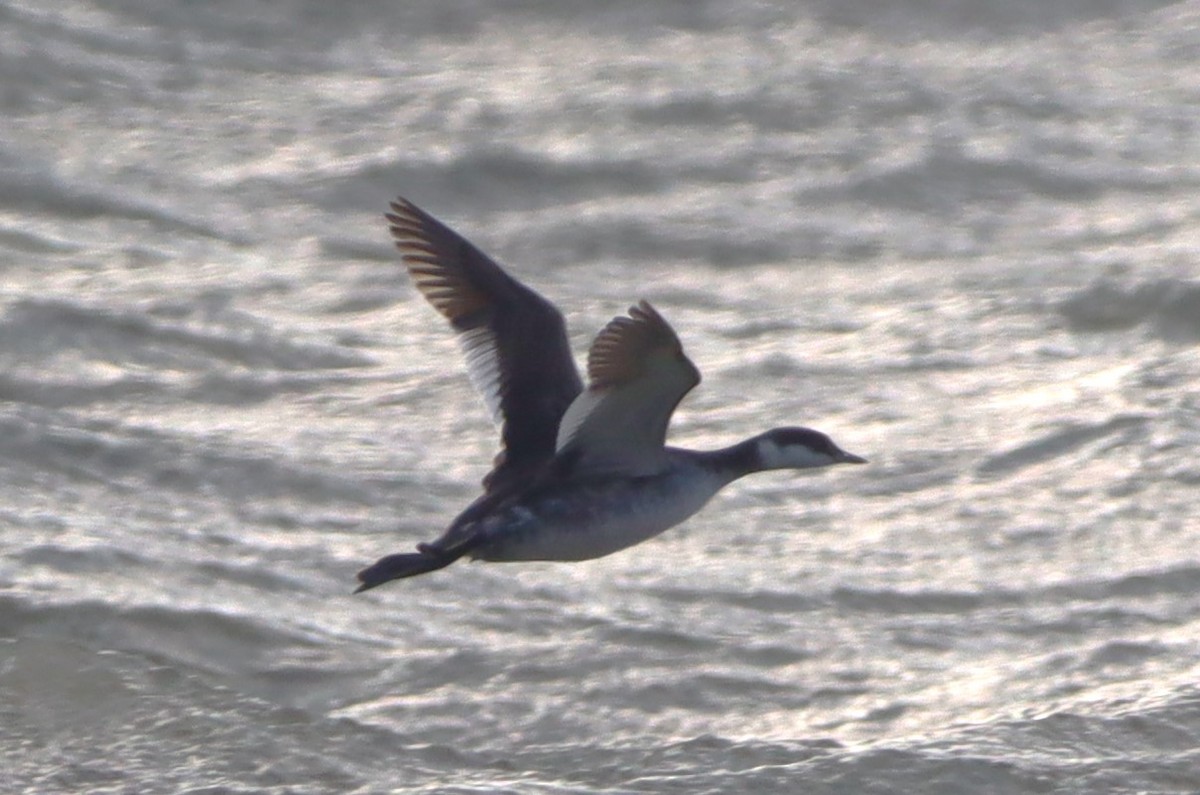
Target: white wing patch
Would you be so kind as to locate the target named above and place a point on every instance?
(483, 367)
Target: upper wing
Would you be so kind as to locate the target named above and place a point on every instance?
(515, 341)
(637, 373)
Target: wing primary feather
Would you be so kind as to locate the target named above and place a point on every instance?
(514, 340)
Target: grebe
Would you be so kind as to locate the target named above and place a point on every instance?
(582, 472)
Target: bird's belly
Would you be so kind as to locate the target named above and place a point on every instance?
(591, 522)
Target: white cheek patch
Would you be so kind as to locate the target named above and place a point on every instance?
(774, 456)
(769, 454)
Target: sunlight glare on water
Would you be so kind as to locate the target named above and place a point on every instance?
(962, 243)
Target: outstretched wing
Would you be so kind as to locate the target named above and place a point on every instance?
(515, 341)
(637, 374)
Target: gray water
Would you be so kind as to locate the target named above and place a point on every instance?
(961, 238)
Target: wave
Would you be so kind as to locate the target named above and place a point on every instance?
(941, 179)
(910, 18)
(1097, 600)
(40, 329)
(1169, 308)
(1061, 442)
(116, 453)
(26, 189)
(489, 176)
(134, 721)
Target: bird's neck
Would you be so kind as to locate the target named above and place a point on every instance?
(735, 461)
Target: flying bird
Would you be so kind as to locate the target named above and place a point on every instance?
(583, 472)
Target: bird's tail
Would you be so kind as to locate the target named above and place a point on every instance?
(405, 564)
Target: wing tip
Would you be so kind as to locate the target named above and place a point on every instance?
(400, 205)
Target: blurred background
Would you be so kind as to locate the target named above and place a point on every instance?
(959, 236)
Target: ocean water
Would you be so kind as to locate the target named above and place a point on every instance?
(963, 238)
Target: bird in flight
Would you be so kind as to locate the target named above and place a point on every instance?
(583, 472)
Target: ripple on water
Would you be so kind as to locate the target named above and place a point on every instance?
(1058, 443)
